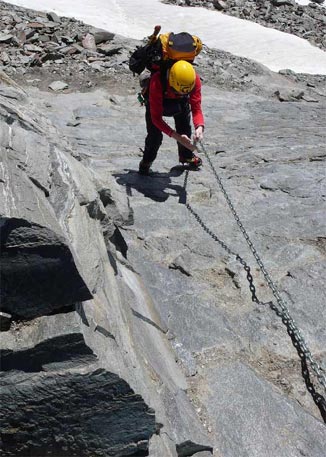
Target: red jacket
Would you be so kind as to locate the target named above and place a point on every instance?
(156, 103)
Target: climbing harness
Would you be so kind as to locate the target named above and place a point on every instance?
(281, 310)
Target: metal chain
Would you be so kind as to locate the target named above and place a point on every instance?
(293, 332)
(224, 246)
(283, 312)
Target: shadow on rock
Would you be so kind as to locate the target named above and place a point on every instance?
(156, 186)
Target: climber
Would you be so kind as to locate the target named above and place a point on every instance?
(175, 93)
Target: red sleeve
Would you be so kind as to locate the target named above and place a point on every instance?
(156, 104)
(195, 103)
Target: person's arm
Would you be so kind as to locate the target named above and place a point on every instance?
(156, 104)
(184, 140)
(156, 107)
(196, 110)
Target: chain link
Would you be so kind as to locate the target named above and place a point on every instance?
(281, 311)
(284, 312)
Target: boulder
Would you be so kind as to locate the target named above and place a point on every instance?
(88, 42)
(219, 5)
(53, 17)
(101, 36)
(6, 38)
(58, 85)
(283, 2)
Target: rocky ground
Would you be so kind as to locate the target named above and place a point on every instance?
(307, 22)
(52, 53)
(142, 339)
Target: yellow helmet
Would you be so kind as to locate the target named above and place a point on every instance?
(182, 77)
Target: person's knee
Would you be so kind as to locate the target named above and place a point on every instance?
(159, 140)
(152, 144)
(155, 141)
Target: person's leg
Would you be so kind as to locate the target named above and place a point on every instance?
(153, 139)
(183, 127)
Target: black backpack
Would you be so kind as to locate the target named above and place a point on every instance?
(144, 57)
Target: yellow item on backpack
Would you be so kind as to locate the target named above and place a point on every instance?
(180, 46)
(163, 50)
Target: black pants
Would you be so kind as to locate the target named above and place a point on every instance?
(180, 111)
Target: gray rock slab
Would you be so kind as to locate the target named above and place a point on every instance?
(22, 337)
(33, 244)
(183, 424)
(101, 35)
(47, 344)
(53, 17)
(252, 419)
(53, 415)
(267, 154)
(6, 38)
(162, 445)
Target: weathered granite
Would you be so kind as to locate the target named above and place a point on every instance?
(36, 260)
(169, 315)
(118, 320)
(71, 413)
(56, 401)
(263, 421)
(268, 154)
(45, 344)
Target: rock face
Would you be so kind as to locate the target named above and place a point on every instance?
(55, 401)
(126, 329)
(47, 369)
(237, 356)
(77, 378)
(74, 426)
(199, 291)
(38, 271)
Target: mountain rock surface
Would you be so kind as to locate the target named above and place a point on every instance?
(127, 329)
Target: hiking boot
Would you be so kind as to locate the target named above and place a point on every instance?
(193, 162)
(144, 167)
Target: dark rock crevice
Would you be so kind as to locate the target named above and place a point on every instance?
(12, 116)
(74, 414)
(38, 274)
(189, 448)
(119, 242)
(59, 349)
(39, 186)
